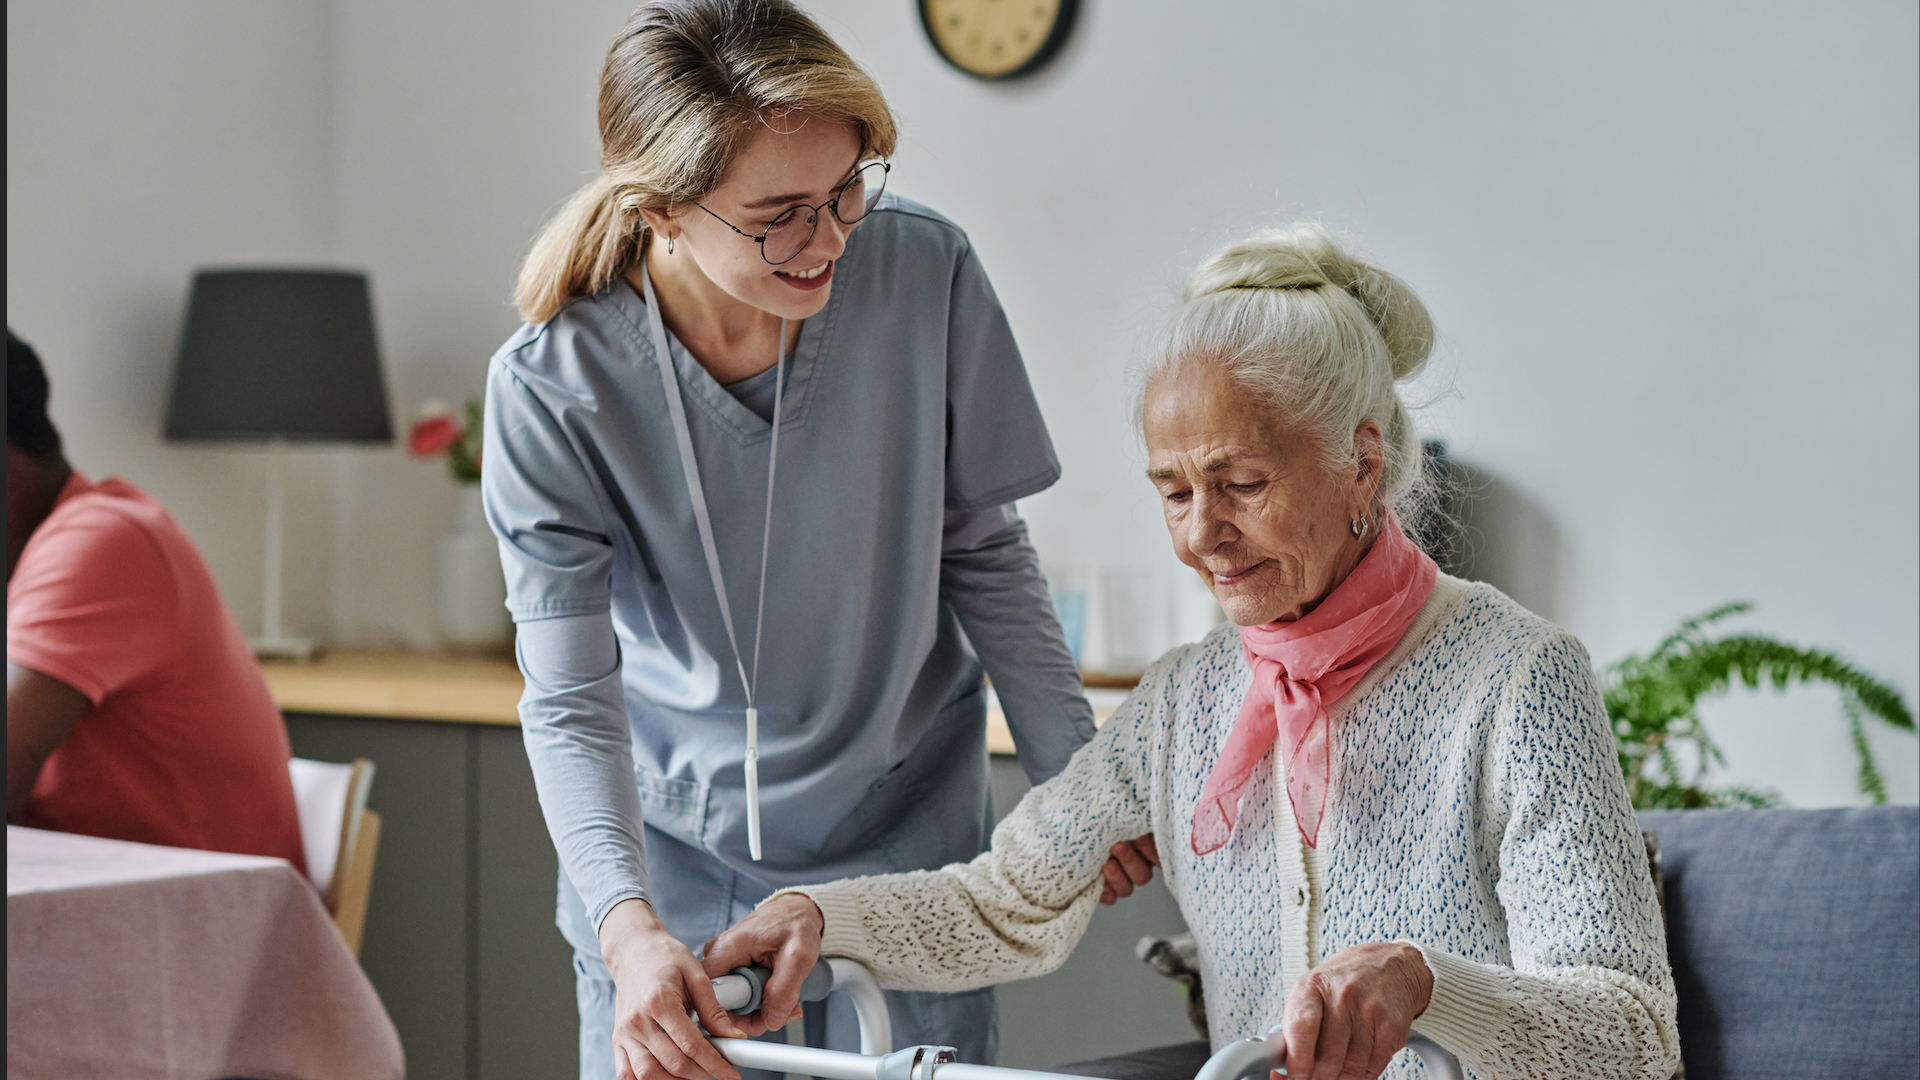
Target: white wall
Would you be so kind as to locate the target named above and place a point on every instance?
(1672, 252)
(143, 141)
(461, 126)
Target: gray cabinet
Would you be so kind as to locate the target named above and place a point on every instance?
(460, 941)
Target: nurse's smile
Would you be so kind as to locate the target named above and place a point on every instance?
(807, 280)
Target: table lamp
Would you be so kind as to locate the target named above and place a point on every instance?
(272, 356)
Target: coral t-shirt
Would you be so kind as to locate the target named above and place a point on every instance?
(183, 745)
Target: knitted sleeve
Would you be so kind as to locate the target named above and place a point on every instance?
(1017, 910)
(1589, 992)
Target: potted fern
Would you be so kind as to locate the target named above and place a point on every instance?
(1654, 699)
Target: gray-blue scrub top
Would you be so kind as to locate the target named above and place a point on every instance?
(909, 428)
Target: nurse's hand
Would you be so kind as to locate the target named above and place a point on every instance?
(657, 984)
(1129, 863)
(782, 935)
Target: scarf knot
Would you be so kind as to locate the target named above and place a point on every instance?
(1300, 670)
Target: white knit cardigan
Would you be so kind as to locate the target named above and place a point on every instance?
(1477, 810)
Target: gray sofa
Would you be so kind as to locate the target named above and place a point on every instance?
(1795, 940)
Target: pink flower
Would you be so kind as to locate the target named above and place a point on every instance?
(433, 434)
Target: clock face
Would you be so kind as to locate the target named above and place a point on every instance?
(997, 39)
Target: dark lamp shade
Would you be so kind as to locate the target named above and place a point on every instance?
(279, 354)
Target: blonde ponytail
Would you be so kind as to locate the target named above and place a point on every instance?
(581, 251)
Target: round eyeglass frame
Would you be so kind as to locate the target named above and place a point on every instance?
(813, 214)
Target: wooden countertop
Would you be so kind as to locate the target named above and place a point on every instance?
(404, 685)
(436, 687)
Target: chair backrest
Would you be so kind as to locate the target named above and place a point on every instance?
(333, 811)
(1795, 940)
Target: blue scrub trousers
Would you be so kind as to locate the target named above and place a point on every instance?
(697, 897)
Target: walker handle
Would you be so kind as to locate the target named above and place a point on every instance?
(742, 990)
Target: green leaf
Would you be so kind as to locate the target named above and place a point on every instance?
(1871, 781)
(1652, 701)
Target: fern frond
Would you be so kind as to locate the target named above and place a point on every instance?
(1749, 798)
(1689, 630)
(1652, 701)
(1871, 782)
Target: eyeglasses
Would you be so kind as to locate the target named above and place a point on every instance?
(790, 233)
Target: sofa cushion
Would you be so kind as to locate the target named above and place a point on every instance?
(1795, 940)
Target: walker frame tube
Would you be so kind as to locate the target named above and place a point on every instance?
(741, 992)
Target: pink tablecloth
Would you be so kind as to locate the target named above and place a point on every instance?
(129, 960)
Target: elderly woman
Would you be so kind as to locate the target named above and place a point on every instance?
(1386, 799)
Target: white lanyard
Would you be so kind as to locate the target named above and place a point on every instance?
(669, 381)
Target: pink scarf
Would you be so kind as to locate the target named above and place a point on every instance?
(1300, 669)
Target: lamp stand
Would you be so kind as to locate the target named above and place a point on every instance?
(273, 641)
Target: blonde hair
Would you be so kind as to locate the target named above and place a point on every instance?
(1318, 335)
(683, 85)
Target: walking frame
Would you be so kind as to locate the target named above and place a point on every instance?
(740, 992)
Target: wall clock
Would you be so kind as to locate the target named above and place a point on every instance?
(997, 39)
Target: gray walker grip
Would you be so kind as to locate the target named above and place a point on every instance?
(815, 987)
(755, 978)
(743, 990)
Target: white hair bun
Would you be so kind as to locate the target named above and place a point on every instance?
(1305, 256)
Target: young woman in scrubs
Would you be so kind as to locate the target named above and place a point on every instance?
(752, 463)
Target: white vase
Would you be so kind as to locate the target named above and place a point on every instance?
(471, 601)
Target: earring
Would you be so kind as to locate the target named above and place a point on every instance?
(669, 243)
(1359, 527)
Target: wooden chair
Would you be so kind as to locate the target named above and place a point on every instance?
(340, 836)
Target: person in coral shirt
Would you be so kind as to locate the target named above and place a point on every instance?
(135, 709)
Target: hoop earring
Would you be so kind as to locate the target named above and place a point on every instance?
(669, 243)
(1359, 527)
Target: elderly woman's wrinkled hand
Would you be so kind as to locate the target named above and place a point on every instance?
(1347, 1018)
(782, 935)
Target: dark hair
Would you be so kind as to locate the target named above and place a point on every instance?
(28, 427)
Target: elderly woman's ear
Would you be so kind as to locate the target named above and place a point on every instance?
(1369, 452)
